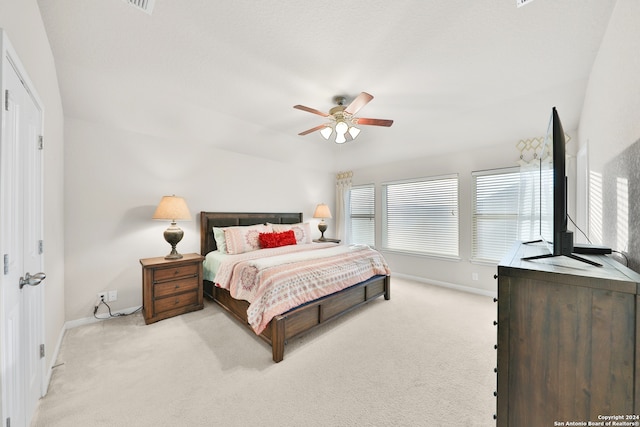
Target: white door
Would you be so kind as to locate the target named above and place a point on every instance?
(21, 244)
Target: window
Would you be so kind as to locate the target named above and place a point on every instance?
(421, 216)
(363, 224)
(495, 221)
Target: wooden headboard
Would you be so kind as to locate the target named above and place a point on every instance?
(208, 220)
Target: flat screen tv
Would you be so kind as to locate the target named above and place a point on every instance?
(553, 198)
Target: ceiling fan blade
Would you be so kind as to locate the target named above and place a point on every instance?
(361, 100)
(308, 131)
(372, 122)
(310, 110)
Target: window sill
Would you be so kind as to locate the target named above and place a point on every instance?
(421, 255)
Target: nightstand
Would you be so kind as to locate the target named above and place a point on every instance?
(327, 240)
(171, 286)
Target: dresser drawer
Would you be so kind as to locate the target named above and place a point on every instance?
(175, 286)
(175, 301)
(171, 273)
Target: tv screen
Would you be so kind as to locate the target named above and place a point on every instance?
(553, 196)
(546, 187)
(553, 190)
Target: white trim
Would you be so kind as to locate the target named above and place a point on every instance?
(54, 358)
(89, 320)
(421, 179)
(422, 255)
(469, 289)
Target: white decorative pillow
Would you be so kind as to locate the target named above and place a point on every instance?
(218, 236)
(245, 238)
(302, 230)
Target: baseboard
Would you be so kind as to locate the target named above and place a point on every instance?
(54, 359)
(469, 289)
(88, 320)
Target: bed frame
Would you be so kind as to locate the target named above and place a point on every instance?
(300, 319)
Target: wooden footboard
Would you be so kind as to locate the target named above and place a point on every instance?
(306, 317)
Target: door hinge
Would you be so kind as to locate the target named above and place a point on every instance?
(40, 247)
(6, 264)
(40, 142)
(41, 351)
(6, 100)
(9, 422)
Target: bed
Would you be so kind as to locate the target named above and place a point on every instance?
(298, 319)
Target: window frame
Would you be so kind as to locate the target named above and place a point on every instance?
(353, 216)
(430, 250)
(476, 256)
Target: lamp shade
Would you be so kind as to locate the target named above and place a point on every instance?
(326, 132)
(354, 132)
(322, 211)
(172, 208)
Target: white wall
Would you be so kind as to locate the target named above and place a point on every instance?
(23, 24)
(610, 132)
(114, 181)
(610, 122)
(432, 269)
(115, 178)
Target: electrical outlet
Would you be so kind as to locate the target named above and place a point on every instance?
(102, 296)
(474, 276)
(113, 296)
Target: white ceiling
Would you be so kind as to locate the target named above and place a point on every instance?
(451, 73)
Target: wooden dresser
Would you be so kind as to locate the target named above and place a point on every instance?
(568, 341)
(171, 287)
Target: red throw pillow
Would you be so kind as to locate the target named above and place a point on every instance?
(274, 240)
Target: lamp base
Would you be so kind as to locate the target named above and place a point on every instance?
(173, 255)
(322, 226)
(173, 235)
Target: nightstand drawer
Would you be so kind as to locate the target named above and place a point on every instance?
(171, 273)
(176, 301)
(175, 286)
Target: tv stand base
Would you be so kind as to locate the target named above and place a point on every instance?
(572, 256)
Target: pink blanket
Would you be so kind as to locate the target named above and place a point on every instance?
(280, 282)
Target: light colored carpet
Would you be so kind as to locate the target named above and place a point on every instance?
(423, 358)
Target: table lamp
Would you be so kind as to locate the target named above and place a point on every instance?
(173, 208)
(322, 212)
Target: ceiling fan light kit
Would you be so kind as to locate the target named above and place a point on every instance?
(342, 121)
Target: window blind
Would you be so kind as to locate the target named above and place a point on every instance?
(363, 223)
(495, 213)
(421, 216)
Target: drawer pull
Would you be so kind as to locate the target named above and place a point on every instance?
(177, 301)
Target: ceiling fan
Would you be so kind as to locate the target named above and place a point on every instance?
(342, 119)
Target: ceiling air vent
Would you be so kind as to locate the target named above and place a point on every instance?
(144, 5)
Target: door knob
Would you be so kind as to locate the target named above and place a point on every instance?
(29, 280)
